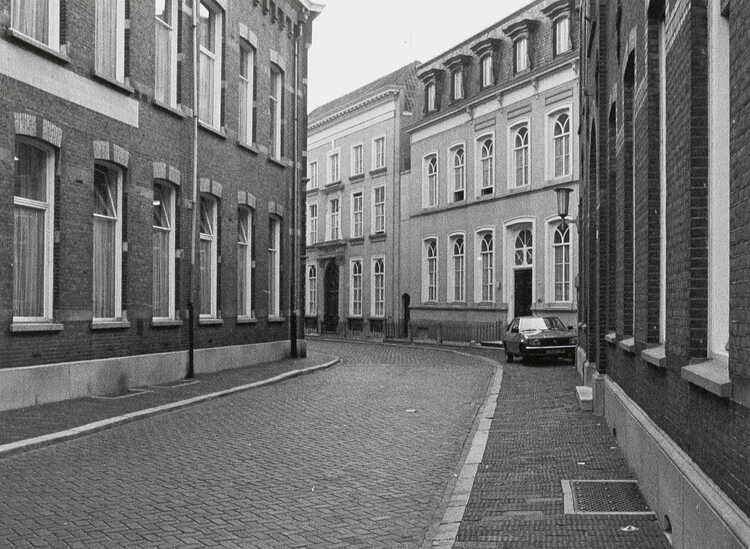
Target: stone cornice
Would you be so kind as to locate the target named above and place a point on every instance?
(353, 108)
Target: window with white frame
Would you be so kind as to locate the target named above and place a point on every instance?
(357, 215)
(209, 70)
(107, 250)
(560, 144)
(562, 35)
(311, 305)
(486, 165)
(355, 308)
(378, 151)
(208, 251)
(430, 193)
(334, 219)
(109, 49)
(459, 173)
(247, 94)
(334, 174)
(457, 268)
(524, 249)
(245, 262)
(276, 98)
(163, 299)
(165, 52)
(37, 19)
(358, 161)
(457, 78)
(274, 268)
(431, 96)
(488, 76)
(378, 214)
(313, 173)
(561, 262)
(429, 273)
(520, 143)
(521, 54)
(378, 287)
(312, 223)
(33, 218)
(486, 260)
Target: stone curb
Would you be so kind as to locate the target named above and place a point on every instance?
(28, 444)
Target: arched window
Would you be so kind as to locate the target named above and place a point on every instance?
(356, 308)
(431, 271)
(458, 268)
(312, 290)
(244, 261)
(432, 181)
(487, 258)
(521, 155)
(561, 142)
(208, 256)
(163, 241)
(524, 249)
(561, 251)
(378, 287)
(459, 174)
(487, 158)
(107, 249)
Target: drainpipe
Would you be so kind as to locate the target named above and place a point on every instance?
(195, 203)
(293, 278)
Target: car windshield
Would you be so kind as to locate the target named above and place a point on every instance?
(534, 324)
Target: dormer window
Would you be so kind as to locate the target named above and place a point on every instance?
(457, 78)
(487, 73)
(521, 54)
(431, 96)
(561, 32)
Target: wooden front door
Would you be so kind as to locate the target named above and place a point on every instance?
(331, 308)
(522, 292)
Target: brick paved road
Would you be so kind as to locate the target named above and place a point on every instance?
(331, 459)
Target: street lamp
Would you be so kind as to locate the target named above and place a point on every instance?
(563, 203)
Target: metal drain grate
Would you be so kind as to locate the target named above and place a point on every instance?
(603, 497)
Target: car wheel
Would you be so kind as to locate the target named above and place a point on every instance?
(508, 356)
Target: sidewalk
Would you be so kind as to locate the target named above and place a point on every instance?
(539, 437)
(38, 421)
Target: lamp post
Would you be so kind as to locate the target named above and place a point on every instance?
(563, 204)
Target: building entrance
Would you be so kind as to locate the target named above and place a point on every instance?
(522, 292)
(331, 302)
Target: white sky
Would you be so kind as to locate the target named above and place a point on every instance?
(358, 41)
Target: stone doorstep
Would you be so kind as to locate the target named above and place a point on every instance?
(585, 396)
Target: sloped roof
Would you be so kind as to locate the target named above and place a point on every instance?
(405, 77)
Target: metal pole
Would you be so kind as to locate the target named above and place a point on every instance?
(293, 309)
(195, 205)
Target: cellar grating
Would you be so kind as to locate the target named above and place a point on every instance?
(603, 497)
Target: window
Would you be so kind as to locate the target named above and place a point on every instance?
(245, 262)
(334, 175)
(312, 291)
(457, 76)
(110, 39)
(313, 183)
(431, 188)
(276, 105)
(209, 77)
(274, 268)
(457, 270)
(561, 262)
(356, 285)
(431, 96)
(165, 54)
(312, 223)
(378, 287)
(488, 78)
(357, 216)
(521, 156)
(33, 215)
(459, 174)
(208, 256)
(107, 249)
(487, 262)
(163, 299)
(378, 150)
(521, 54)
(378, 218)
(429, 278)
(487, 165)
(524, 249)
(561, 144)
(334, 219)
(247, 95)
(358, 162)
(562, 35)
(38, 19)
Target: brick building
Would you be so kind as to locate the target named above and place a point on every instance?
(665, 286)
(96, 162)
(498, 135)
(357, 146)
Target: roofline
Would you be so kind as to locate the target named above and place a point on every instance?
(312, 6)
(481, 32)
(393, 90)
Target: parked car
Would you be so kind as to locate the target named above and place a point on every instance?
(537, 337)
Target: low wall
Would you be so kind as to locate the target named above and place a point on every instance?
(32, 385)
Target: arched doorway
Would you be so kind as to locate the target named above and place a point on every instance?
(331, 301)
(405, 303)
(523, 261)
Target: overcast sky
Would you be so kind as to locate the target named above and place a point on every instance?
(357, 41)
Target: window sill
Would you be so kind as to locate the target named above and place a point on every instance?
(379, 171)
(275, 319)
(173, 110)
(109, 324)
(22, 327)
(711, 375)
(354, 317)
(249, 147)
(278, 161)
(611, 338)
(333, 186)
(312, 190)
(244, 319)
(378, 237)
(124, 87)
(375, 318)
(210, 321)
(484, 196)
(165, 323)
(356, 178)
(218, 132)
(56, 55)
(627, 344)
(356, 240)
(656, 356)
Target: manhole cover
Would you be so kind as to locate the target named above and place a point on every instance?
(603, 497)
